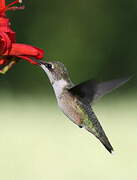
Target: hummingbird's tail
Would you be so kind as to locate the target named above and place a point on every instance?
(103, 138)
(95, 128)
(106, 143)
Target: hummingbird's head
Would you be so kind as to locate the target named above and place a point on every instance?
(55, 70)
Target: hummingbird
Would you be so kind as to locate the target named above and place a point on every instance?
(76, 101)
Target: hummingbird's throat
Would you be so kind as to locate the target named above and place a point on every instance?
(59, 86)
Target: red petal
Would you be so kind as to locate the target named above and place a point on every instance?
(5, 28)
(26, 50)
(28, 59)
(3, 61)
(5, 43)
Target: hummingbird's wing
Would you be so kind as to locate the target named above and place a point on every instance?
(107, 86)
(91, 90)
(85, 90)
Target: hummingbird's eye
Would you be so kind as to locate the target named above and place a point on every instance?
(49, 66)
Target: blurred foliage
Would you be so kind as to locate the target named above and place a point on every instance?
(92, 38)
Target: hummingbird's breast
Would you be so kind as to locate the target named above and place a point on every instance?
(71, 107)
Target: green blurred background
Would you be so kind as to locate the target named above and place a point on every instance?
(93, 39)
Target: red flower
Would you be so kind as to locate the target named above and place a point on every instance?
(10, 51)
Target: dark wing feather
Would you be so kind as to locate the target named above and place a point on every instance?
(91, 90)
(85, 90)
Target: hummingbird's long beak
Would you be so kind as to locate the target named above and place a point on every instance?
(43, 62)
(40, 62)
